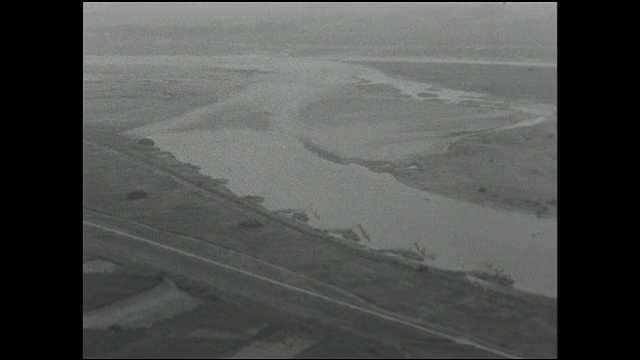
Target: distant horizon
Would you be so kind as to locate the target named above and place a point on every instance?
(274, 10)
(510, 31)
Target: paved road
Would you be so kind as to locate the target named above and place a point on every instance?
(193, 260)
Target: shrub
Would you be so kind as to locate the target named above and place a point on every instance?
(301, 216)
(250, 223)
(146, 142)
(351, 235)
(364, 233)
(254, 198)
(422, 268)
(136, 195)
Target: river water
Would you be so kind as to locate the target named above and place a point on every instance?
(272, 163)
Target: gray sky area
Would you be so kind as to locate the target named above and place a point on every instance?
(517, 29)
(271, 10)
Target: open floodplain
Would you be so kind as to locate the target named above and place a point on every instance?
(388, 161)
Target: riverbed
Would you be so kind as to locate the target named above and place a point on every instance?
(270, 161)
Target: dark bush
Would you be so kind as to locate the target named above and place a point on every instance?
(136, 195)
(422, 268)
(146, 142)
(482, 190)
(351, 235)
(301, 216)
(250, 223)
(254, 198)
(114, 328)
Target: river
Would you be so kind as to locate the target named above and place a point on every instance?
(272, 163)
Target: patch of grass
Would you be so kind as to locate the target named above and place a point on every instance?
(406, 253)
(415, 253)
(136, 195)
(87, 258)
(184, 347)
(349, 346)
(195, 289)
(250, 223)
(100, 289)
(299, 215)
(99, 343)
(254, 198)
(351, 235)
(146, 142)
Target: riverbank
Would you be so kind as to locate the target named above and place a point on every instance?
(180, 202)
(463, 236)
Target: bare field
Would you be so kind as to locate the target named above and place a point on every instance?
(513, 82)
(100, 289)
(87, 257)
(98, 343)
(349, 347)
(460, 149)
(120, 96)
(213, 328)
(141, 310)
(287, 348)
(377, 128)
(167, 321)
(512, 169)
(99, 266)
(515, 169)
